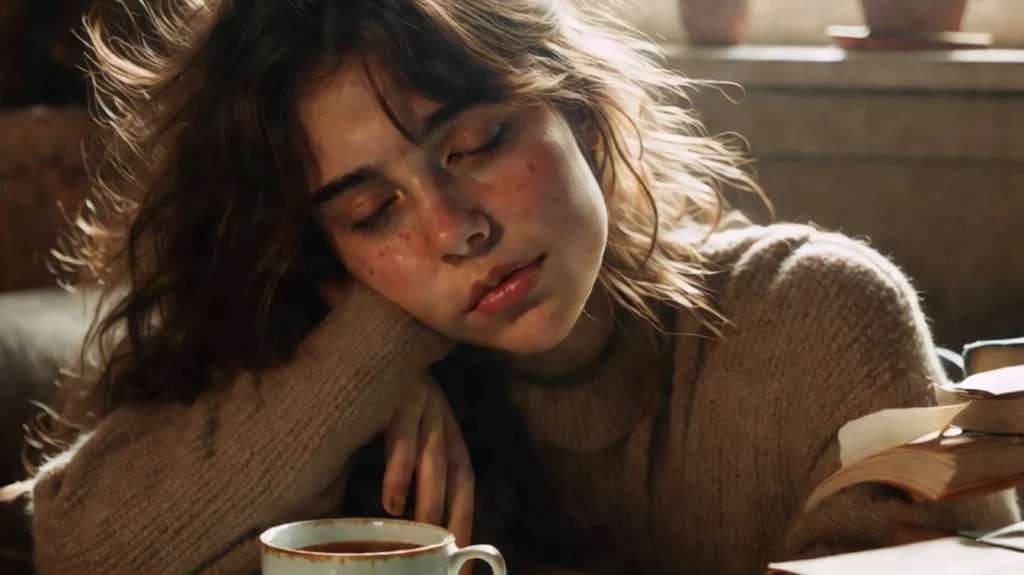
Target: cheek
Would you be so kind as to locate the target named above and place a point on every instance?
(390, 267)
(546, 186)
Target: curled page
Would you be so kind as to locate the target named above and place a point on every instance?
(890, 428)
(1002, 383)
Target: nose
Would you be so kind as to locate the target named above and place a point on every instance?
(454, 225)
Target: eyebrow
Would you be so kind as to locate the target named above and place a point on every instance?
(432, 124)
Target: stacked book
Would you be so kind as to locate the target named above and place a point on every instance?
(973, 446)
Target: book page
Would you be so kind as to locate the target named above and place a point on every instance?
(1003, 383)
(946, 556)
(1011, 536)
(890, 428)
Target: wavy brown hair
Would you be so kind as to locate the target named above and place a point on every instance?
(199, 231)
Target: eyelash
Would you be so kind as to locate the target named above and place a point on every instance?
(378, 219)
(497, 143)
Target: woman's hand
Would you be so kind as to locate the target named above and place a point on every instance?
(423, 437)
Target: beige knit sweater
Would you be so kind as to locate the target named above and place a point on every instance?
(696, 462)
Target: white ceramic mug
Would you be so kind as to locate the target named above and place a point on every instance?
(435, 552)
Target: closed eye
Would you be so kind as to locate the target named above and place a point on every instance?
(495, 143)
(380, 217)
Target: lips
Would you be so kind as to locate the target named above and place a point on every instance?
(504, 286)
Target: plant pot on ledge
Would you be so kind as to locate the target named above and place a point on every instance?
(715, 22)
(913, 16)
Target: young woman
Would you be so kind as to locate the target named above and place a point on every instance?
(514, 177)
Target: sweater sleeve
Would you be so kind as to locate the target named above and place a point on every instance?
(863, 336)
(171, 488)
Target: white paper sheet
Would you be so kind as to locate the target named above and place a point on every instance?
(946, 556)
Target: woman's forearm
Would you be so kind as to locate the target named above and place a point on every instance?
(170, 488)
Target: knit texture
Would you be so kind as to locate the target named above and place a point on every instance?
(705, 471)
(693, 461)
(186, 489)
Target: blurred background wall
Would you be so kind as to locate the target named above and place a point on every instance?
(919, 151)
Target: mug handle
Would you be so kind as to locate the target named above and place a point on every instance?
(486, 553)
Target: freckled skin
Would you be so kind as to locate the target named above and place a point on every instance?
(454, 219)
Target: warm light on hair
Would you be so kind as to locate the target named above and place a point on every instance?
(197, 100)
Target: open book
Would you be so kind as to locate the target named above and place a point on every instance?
(939, 466)
(939, 453)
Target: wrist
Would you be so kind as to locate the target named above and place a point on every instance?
(365, 324)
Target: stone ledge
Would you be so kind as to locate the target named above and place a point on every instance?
(828, 67)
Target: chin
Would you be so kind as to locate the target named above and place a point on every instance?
(528, 345)
(537, 331)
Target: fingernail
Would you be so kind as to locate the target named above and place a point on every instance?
(397, 506)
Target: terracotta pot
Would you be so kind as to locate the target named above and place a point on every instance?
(715, 21)
(903, 16)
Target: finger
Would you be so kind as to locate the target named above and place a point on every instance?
(432, 465)
(461, 483)
(401, 439)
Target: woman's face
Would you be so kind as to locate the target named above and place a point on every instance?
(490, 228)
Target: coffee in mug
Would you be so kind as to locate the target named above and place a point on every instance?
(349, 547)
(368, 547)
